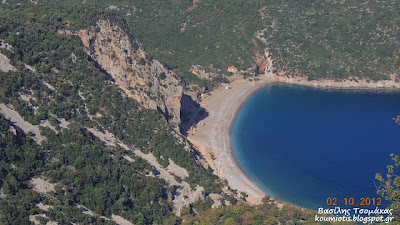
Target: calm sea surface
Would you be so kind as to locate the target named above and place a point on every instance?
(304, 144)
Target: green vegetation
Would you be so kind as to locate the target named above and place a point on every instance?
(85, 171)
(304, 38)
(266, 213)
(85, 174)
(212, 34)
(390, 186)
(317, 39)
(333, 39)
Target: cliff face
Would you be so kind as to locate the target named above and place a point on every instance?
(263, 61)
(141, 78)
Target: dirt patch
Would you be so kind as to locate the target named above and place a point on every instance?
(128, 158)
(42, 186)
(2, 194)
(120, 220)
(18, 121)
(217, 199)
(44, 207)
(186, 195)
(6, 45)
(107, 137)
(31, 68)
(48, 85)
(5, 65)
(34, 219)
(177, 170)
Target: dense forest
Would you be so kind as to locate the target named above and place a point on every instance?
(335, 39)
(63, 84)
(332, 39)
(65, 97)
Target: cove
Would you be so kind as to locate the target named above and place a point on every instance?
(305, 144)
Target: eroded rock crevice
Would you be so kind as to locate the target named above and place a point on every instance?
(142, 78)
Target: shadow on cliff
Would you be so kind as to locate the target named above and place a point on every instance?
(191, 114)
(98, 66)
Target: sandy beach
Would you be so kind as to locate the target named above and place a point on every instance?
(212, 135)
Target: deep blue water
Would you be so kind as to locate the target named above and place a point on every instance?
(304, 144)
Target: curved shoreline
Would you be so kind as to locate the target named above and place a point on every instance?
(212, 135)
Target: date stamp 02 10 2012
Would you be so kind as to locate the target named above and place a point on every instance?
(356, 214)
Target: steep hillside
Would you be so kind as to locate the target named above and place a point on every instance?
(91, 96)
(199, 40)
(334, 39)
(76, 145)
(139, 76)
(316, 40)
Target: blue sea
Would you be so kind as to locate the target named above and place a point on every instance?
(304, 144)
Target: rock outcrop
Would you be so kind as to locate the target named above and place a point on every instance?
(5, 65)
(263, 61)
(140, 77)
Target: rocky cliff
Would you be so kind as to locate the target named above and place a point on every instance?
(139, 76)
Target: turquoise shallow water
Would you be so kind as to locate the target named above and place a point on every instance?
(304, 144)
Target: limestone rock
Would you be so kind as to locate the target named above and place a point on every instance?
(5, 65)
(140, 77)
